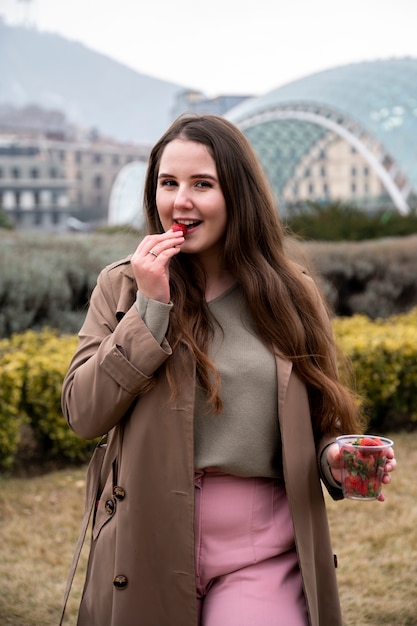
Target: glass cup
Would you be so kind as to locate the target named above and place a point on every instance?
(362, 461)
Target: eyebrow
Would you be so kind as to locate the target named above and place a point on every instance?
(202, 175)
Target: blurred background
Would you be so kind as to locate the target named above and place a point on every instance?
(327, 95)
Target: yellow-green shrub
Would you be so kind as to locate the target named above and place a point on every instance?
(13, 364)
(49, 360)
(32, 369)
(384, 358)
(33, 365)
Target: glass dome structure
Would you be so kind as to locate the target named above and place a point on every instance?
(126, 196)
(371, 105)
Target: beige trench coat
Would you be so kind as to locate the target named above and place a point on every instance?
(141, 565)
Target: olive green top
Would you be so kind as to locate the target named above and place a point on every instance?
(244, 439)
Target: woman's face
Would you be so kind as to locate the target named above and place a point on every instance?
(189, 192)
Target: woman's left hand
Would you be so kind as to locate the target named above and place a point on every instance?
(333, 458)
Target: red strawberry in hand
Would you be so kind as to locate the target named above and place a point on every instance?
(179, 227)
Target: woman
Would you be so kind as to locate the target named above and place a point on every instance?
(208, 357)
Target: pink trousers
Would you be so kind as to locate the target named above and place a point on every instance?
(246, 563)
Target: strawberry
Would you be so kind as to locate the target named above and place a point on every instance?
(367, 441)
(179, 227)
(356, 484)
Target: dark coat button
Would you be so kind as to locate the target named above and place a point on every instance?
(120, 582)
(109, 506)
(118, 492)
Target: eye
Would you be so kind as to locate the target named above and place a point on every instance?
(167, 183)
(203, 184)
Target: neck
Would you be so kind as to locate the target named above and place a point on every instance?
(218, 283)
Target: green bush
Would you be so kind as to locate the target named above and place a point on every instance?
(46, 280)
(384, 358)
(4, 221)
(343, 222)
(12, 417)
(32, 369)
(377, 278)
(383, 354)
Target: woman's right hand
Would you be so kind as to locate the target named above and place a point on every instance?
(150, 264)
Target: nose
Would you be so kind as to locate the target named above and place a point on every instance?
(183, 198)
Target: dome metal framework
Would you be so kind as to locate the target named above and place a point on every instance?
(370, 105)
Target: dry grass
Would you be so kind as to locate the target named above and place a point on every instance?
(376, 546)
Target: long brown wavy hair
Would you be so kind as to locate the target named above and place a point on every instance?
(285, 305)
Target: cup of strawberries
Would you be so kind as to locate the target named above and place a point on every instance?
(362, 461)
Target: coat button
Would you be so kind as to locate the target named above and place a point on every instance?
(118, 492)
(109, 506)
(120, 582)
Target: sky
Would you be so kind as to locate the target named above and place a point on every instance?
(228, 46)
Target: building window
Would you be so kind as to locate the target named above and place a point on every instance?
(325, 190)
(353, 171)
(307, 172)
(78, 157)
(323, 172)
(98, 181)
(353, 188)
(34, 173)
(116, 159)
(15, 172)
(53, 172)
(366, 189)
(1, 173)
(352, 149)
(366, 171)
(311, 188)
(322, 155)
(37, 218)
(97, 158)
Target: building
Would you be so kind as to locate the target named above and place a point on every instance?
(93, 167)
(45, 180)
(34, 191)
(348, 133)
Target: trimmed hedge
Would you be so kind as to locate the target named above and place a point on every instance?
(32, 367)
(46, 281)
(339, 221)
(383, 354)
(375, 278)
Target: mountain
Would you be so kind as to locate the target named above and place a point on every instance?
(91, 89)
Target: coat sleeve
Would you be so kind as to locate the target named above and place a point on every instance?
(333, 487)
(114, 364)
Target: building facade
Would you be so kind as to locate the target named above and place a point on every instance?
(45, 180)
